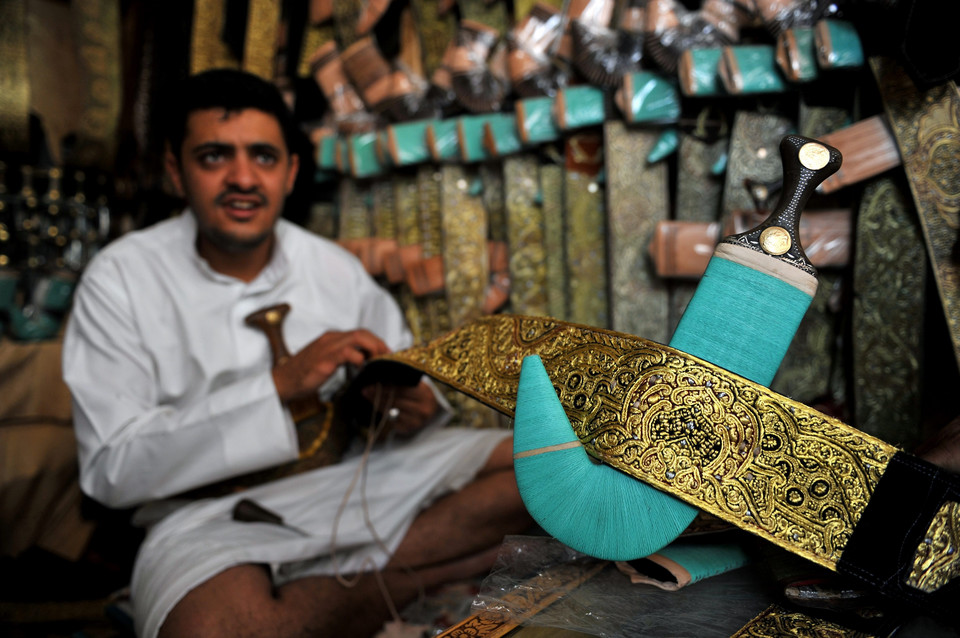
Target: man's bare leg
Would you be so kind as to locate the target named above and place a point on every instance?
(457, 537)
(242, 602)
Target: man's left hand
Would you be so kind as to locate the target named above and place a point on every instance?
(411, 407)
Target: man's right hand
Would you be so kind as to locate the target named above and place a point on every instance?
(310, 368)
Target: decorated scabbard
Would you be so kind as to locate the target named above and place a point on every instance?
(761, 461)
(723, 442)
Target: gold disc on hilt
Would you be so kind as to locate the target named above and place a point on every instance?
(775, 240)
(814, 156)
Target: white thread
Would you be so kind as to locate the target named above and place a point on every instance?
(373, 433)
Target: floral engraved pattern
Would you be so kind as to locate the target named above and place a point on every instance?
(765, 463)
(937, 559)
(776, 622)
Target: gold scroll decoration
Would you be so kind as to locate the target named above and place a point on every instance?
(384, 204)
(637, 198)
(889, 282)
(778, 622)
(770, 465)
(407, 209)
(355, 214)
(937, 558)
(528, 259)
(14, 80)
(263, 31)
(97, 37)
(207, 48)
(436, 308)
(493, 14)
(466, 266)
(465, 258)
(585, 230)
(927, 128)
(551, 188)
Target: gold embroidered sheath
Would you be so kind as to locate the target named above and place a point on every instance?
(735, 449)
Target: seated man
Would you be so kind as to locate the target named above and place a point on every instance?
(173, 391)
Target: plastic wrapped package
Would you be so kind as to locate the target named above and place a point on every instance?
(330, 76)
(604, 55)
(671, 29)
(477, 66)
(593, 12)
(779, 15)
(408, 95)
(472, 45)
(597, 12)
(532, 40)
(531, 45)
(535, 571)
(726, 16)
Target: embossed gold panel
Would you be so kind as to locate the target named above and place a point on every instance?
(927, 128)
(638, 196)
(937, 559)
(528, 259)
(551, 187)
(777, 622)
(768, 464)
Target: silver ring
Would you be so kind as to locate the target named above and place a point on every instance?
(393, 414)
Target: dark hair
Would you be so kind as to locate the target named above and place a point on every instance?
(228, 89)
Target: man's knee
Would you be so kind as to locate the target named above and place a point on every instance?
(237, 602)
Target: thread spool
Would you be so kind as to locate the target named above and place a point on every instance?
(474, 41)
(529, 43)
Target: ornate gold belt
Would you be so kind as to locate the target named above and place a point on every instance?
(761, 461)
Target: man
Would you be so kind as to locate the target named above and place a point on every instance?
(172, 391)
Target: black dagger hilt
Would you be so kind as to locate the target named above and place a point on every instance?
(247, 511)
(806, 164)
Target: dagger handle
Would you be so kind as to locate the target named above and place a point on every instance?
(806, 164)
(270, 321)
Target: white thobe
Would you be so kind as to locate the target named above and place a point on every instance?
(172, 390)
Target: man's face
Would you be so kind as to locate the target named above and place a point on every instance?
(235, 171)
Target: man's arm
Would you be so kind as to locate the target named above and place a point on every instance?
(134, 448)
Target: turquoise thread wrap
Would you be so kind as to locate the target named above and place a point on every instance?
(741, 319)
(608, 502)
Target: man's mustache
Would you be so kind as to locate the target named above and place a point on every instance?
(229, 192)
